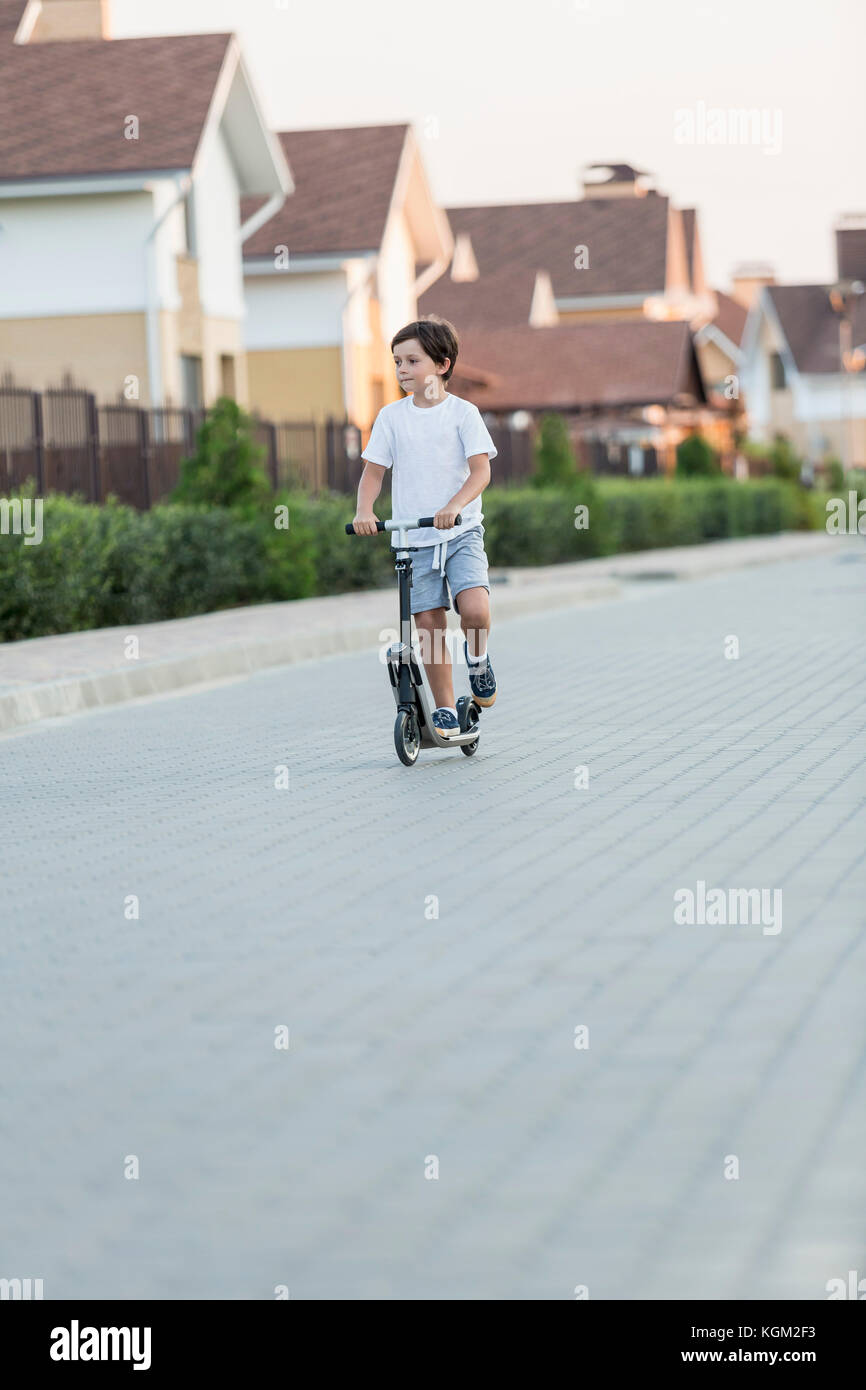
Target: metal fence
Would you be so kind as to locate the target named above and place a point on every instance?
(69, 444)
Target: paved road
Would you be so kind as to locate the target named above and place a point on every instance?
(414, 1036)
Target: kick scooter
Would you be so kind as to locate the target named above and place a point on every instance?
(414, 729)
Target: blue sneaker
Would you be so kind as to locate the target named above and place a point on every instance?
(445, 722)
(482, 681)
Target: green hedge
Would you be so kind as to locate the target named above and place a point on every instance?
(111, 566)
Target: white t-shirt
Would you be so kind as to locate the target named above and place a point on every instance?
(428, 448)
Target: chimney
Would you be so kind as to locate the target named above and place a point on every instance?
(851, 246)
(748, 279)
(59, 21)
(614, 181)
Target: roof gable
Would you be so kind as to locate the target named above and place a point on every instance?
(811, 327)
(626, 241)
(344, 184)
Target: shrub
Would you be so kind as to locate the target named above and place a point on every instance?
(555, 461)
(696, 458)
(110, 566)
(226, 468)
(834, 475)
(786, 463)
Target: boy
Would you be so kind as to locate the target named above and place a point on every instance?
(440, 450)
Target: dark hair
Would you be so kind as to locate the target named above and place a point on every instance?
(437, 337)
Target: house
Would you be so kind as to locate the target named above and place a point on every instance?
(718, 341)
(630, 391)
(804, 351)
(583, 306)
(333, 274)
(123, 165)
(620, 252)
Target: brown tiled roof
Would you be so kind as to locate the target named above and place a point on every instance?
(811, 327)
(63, 105)
(497, 300)
(626, 240)
(10, 17)
(344, 181)
(570, 366)
(730, 317)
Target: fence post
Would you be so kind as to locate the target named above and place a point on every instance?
(271, 434)
(146, 452)
(39, 442)
(329, 436)
(93, 446)
(317, 454)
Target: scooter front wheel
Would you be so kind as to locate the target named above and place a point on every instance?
(407, 737)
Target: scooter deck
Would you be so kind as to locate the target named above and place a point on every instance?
(430, 737)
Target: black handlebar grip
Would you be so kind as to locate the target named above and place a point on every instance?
(422, 521)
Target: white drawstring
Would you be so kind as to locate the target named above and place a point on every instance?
(439, 556)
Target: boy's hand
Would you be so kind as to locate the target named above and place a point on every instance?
(365, 524)
(446, 517)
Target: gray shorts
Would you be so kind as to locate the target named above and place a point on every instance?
(465, 568)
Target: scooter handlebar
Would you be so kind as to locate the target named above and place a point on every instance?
(396, 525)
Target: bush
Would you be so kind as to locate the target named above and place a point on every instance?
(555, 461)
(696, 458)
(111, 566)
(786, 463)
(834, 475)
(226, 468)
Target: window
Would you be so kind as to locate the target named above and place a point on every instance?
(190, 368)
(777, 372)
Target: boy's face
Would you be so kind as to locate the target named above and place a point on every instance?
(416, 371)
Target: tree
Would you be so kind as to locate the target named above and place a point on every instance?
(786, 463)
(555, 461)
(226, 468)
(696, 458)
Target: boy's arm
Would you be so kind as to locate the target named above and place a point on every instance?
(368, 490)
(479, 477)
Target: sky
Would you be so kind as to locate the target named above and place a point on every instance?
(511, 98)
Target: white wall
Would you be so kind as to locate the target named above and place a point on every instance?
(294, 310)
(81, 254)
(396, 278)
(216, 204)
(831, 397)
(757, 380)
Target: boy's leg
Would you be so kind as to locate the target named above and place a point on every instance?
(473, 606)
(432, 628)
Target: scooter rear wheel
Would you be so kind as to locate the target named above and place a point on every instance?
(468, 713)
(407, 737)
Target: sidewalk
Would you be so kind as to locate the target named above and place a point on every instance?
(49, 676)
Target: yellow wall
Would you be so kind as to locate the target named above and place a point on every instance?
(98, 350)
(296, 383)
(600, 315)
(715, 364)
